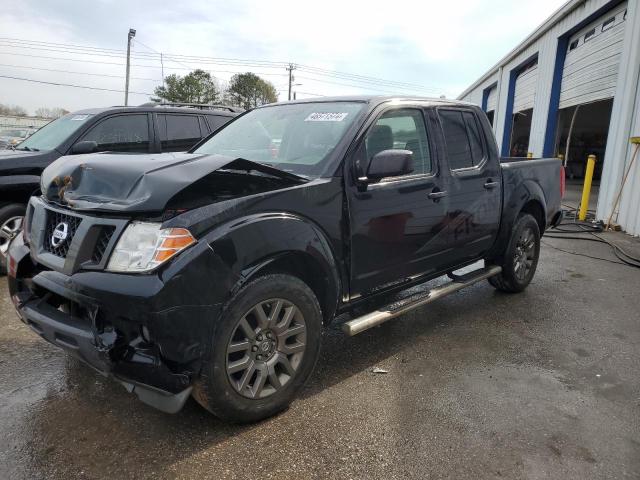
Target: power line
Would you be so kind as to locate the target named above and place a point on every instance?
(71, 85)
(122, 64)
(367, 87)
(356, 78)
(77, 73)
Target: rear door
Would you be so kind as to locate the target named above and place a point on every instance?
(397, 230)
(475, 188)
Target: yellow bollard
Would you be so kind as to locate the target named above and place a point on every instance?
(529, 154)
(586, 190)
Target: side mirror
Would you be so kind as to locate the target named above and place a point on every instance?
(390, 163)
(86, 146)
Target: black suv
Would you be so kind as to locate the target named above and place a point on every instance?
(149, 128)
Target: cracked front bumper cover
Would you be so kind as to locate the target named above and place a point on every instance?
(153, 350)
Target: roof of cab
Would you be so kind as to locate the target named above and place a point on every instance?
(156, 109)
(375, 100)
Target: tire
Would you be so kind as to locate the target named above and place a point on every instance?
(10, 224)
(247, 379)
(520, 259)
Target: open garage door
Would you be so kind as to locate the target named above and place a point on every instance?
(524, 97)
(593, 59)
(589, 80)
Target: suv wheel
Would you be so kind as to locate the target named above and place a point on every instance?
(264, 349)
(521, 257)
(11, 217)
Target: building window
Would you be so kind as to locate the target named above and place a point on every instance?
(573, 45)
(608, 24)
(590, 34)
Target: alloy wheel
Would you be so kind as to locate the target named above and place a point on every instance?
(8, 230)
(266, 348)
(524, 255)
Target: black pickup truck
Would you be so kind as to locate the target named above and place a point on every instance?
(149, 128)
(212, 273)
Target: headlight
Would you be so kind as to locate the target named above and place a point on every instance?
(143, 246)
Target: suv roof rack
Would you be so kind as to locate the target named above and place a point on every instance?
(201, 106)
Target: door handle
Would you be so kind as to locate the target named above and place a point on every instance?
(437, 194)
(489, 185)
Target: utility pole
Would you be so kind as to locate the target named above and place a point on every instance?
(132, 33)
(162, 66)
(291, 68)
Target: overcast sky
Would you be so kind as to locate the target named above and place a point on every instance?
(442, 46)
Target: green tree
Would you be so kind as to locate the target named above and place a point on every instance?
(247, 90)
(196, 87)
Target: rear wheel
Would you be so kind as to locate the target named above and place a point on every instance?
(264, 349)
(520, 260)
(11, 217)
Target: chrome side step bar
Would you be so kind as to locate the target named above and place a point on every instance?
(365, 322)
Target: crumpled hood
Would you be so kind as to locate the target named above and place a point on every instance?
(147, 183)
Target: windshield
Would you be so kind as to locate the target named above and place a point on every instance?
(13, 133)
(53, 134)
(296, 138)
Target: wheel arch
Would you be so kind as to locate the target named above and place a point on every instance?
(527, 197)
(268, 243)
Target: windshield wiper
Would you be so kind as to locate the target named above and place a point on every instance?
(27, 149)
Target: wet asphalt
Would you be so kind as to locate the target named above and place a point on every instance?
(542, 384)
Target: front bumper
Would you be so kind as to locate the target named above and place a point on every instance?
(143, 330)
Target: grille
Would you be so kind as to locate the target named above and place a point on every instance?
(101, 245)
(53, 220)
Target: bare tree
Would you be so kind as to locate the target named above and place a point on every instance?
(12, 110)
(56, 112)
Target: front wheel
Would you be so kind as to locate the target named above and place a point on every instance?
(521, 257)
(264, 349)
(10, 224)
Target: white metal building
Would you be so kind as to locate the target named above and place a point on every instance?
(572, 88)
(17, 122)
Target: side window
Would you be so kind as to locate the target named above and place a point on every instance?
(178, 132)
(402, 129)
(475, 140)
(216, 121)
(204, 127)
(456, 138)
(123, 133)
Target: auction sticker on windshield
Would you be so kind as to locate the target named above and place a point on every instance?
(79, 118)
(326, 117)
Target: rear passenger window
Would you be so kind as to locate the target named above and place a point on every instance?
(477, 152)
(463, 137)
(456, 138)
(401, 129)
(216, 121)
(178, 132)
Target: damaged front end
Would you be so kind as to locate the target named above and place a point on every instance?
(133, 184)
(147, 330)
(155, 354)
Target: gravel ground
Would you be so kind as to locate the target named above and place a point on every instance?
(543, 384)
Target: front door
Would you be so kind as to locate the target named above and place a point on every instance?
(397, 224)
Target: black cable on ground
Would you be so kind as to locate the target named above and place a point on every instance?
(582, 254)
(569, 230)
